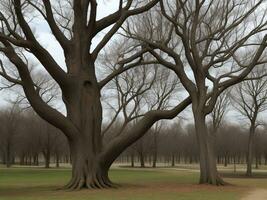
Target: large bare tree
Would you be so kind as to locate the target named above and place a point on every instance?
(210, 45)
(81, 35)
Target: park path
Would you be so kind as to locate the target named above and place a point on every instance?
(257, 194)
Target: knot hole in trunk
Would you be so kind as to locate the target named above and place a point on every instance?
(87, 84)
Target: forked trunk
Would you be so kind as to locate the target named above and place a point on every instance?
(208, 166)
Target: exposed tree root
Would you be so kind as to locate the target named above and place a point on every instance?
(218, 182)
(91, 182)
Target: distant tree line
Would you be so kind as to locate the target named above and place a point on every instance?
(26, 139)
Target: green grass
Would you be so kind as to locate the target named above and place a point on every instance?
(137, 184)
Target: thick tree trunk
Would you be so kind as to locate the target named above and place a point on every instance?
(208, 167)
(85, 111)
(88, 170)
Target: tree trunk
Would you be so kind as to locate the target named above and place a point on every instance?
(155, 150)
(91, 162)
(208, 167)
(173, 160)
(85, 111)
(36, 159)
(8, 154)
(47, 159)
(132, 159)
(250, 151)
(225, 160)
(88, 170)
(234, 165)
(142, 160)
(256, 162)
(57, 160)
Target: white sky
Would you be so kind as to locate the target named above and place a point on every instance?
(45, 37)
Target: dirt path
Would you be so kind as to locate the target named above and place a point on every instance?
(257, 194)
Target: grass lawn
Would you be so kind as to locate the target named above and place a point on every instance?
(136, 184)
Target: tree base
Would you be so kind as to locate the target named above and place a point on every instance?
(218, 182)
(78, 183)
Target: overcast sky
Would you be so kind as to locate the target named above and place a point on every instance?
(47, 40)
(42, 30)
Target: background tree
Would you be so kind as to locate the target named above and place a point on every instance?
(250, 99)
(10, 118)
(206, 49)
(219, 111)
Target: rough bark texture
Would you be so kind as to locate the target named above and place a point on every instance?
(208, 168)
(85, 110)
(87, 169)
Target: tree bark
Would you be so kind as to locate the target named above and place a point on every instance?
(85, 111)
(208, 168)
(90, 161)
(88, 170)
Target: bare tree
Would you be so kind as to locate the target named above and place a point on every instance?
(210, 47)
(219, 111)
(155, 133)
(136, 92)
(75, 26)
(250, 99)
